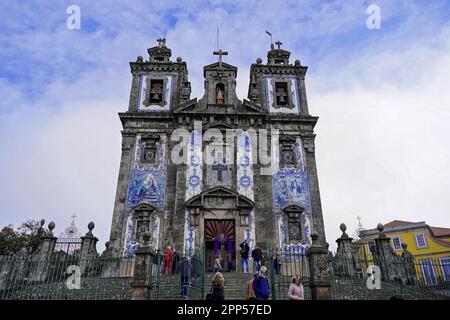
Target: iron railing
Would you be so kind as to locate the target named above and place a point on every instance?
(63, 276)
(358, 277)
(284, 266)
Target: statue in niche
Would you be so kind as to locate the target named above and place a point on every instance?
(220, 91)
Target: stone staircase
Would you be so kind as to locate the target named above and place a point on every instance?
(95, 288)
(235, 285)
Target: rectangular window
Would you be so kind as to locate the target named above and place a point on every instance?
(371, 245)
(428, 272)
(445, 267)
(397, 243)
(421, 241)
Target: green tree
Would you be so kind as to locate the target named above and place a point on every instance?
(28, 235)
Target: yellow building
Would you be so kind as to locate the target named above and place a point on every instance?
(430, 247)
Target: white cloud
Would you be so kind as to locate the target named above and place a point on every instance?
(382, 146)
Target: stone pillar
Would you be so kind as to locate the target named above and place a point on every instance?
(44, 254)
(320, 270)
(384, 256)
(88, 251)
(344, 257)
(142, 280)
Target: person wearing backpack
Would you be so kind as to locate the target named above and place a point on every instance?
(245, 249)
(261, 285)
(257, 256)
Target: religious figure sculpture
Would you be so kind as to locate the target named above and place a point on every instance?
(219, 96)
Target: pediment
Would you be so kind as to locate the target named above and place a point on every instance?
(249, 106)
(187, 106)
(293, 208)
(144, 206)
(220, 196)
(219, 125)
(215, 66)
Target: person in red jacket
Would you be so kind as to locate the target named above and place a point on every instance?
(168, 256)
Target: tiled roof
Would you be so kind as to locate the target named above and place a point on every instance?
(397, 223)
(440, 232)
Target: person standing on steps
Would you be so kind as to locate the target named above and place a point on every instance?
(295, 291)
(257, 256)
(217, 265)
(185, 271)
(245, 249)
(261, 285)
(156, 262)
(175, 262)
(217, 287)
(167, 269)
(250, 292)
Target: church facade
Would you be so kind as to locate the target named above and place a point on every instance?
(197, 171)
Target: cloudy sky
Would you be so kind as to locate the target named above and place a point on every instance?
(382, 95)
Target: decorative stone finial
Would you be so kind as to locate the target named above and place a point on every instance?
(314, 236)
(259, 61)
(343, 227)
(179, 59)
(380, 227)
(140, 59)
(42, 222)
(297, 62)
(91, 226)
(51, 226)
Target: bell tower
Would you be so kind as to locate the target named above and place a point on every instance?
(220, 84)
(159, 84)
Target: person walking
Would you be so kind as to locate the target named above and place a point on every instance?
(250, 292)
(257, 256)
(277, 264)
(156, 262)
(245, 249)
(217, 265)
(185, 272)
(296, 291)
(217, 287)
(261, 285)
(175, 262)
(167, 269)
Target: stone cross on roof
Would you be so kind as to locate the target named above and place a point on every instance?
(279, 43)
(220, 53)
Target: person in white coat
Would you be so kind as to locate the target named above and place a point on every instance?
(296, 289)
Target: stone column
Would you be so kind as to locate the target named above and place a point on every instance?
(384, 256)
(142, 281)
(344, 257)
(44, 254)
(88, 250)
(320, 270)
